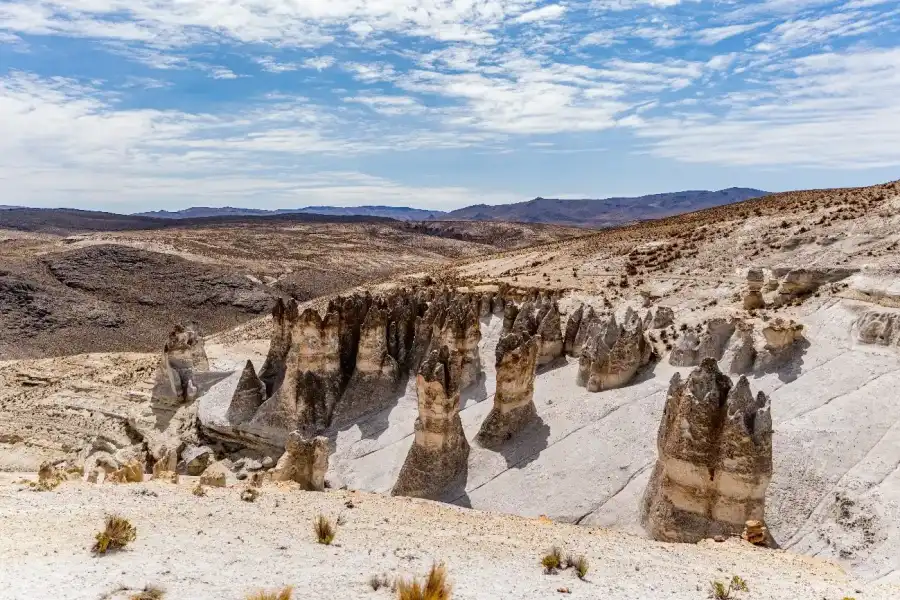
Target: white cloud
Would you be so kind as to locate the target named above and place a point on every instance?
(550, 12)
(833, 110)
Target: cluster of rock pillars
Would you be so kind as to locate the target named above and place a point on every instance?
(326, 371)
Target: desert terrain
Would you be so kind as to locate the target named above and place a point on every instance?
(793, 295)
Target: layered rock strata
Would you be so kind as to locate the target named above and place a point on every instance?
(715, 459)
(517, 361)
(440, 451)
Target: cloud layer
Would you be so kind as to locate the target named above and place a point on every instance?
(146, 103)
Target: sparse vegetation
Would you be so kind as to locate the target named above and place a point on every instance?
(117, 533)
(376, 582)
(323, 529)
(198, 490)
(552, 560)
(150, 592)
(434, 588)
(286, 593)
(719, 591)
(250, 494)
(581, 565)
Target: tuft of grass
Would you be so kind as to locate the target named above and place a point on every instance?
(435, 586)
(580, 564)
(198, 490)
(552, 560)
(250, 494)
(719, 591)
(285, 593)
(376, 582)
(117, 533)
(323, 529)
(150, 592)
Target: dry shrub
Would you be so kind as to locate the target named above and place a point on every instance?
(323, 529)
(376, 582)
(434, 588)
(285, 593)
(150, 592)
(552, 560)
(198, 490)
(117, 533)
(250, 494)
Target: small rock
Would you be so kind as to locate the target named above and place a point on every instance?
(242, 476)
(194, 459)
(252, 465)
(564, 590)
(215, 475)
(268, 462)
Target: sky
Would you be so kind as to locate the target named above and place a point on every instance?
(131, 105)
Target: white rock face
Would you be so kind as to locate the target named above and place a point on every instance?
(881, 328)
(611, 358)
(305, 461)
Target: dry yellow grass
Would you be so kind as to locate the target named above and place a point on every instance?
(284, 594)
(323, 529)
(117, 533)
(150, 592)
(434, 588)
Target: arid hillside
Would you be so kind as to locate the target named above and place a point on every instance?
(69, 286)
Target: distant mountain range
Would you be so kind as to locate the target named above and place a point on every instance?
(578, 213)
(401, 213)
(603, 213)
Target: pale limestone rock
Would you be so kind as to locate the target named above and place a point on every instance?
(800, 282)
(178, 378)
(753, 299)
(709, 342)
(715, 459)
(284, 314)
(460, 334)
(377, 372)
(195, 459)
(613, 357)
(517, 360)
(879, 328)
(215, 475)
(440, 452)
(740, 353)
(305, 461)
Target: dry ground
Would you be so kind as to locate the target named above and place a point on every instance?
(217, 547)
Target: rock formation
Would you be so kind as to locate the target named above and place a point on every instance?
(517, 359)
(460, 334)
(715, 459)
(880, 328)
(283, 316)
(305, 461)
(612, 357)
(753, 299)
(662, 318)
(796, 283)
(440, 452)
(179, 377)
(740, 353)
(248, 396)
(708, 341)
(572, 325)
(538, 318)
(781, 339)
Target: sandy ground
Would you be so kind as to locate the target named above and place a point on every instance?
(218, 547)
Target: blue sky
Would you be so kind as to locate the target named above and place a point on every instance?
(130, 105)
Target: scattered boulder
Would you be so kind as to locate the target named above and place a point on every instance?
(440, 451)
(195, 459)
(796, 283)
(715, 459)
(517, 360)
(215, 475)
(183, 360)
(305, 461)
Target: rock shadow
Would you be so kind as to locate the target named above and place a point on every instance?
(475, 393)
(373, 423)
(526, 445)
(788, 367)
(456, 493)
(556, 363)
